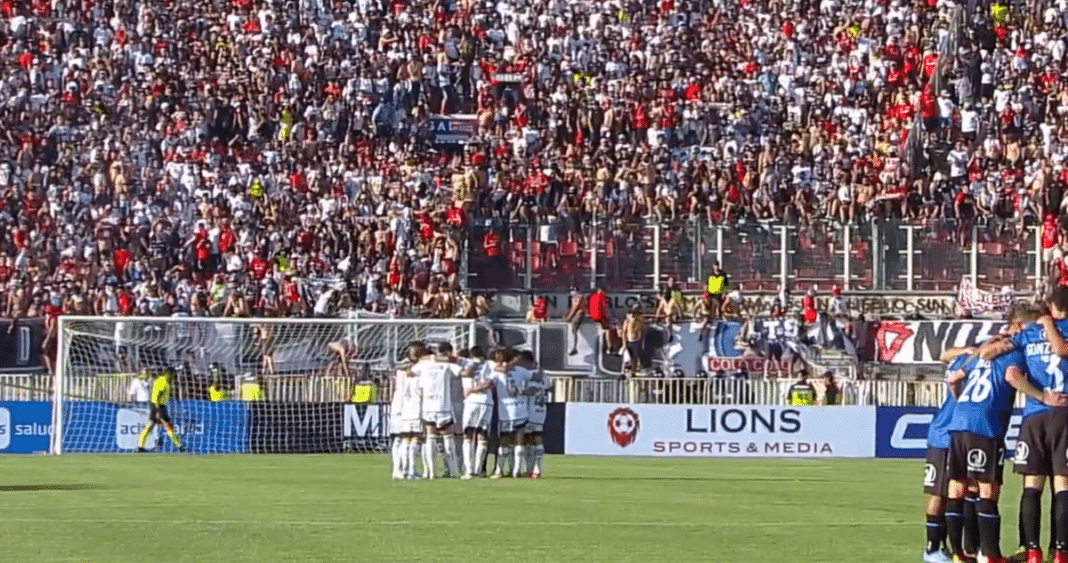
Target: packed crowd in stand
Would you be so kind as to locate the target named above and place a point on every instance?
(275, 158)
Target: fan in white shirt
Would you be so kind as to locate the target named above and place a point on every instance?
(435, 392)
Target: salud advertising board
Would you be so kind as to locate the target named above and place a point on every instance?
(901, 432)
(719, 430)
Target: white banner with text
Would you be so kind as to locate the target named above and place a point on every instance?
(719, 430)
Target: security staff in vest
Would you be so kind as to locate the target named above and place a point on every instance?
(802, 393)
(364, 391)
(717, 284)
(216, 392)
(832, 395)
(252, 389)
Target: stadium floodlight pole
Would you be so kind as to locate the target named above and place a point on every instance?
(56, 440)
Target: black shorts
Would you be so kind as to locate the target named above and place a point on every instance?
(1042, 448)
(775, 351)
(976, 458)
(936, 472)
(158, 414)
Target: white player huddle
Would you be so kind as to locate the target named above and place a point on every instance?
(443, 398)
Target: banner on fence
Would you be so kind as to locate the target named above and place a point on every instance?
(20, 348)
(455, 129)
(718, 431)
(25, 427)
(923, 342)
(515, 305)
(975, 301)
(901, 432)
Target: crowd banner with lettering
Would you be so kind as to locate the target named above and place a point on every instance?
(975, 301)
(719, 430)
(515, 305)
(923, 342)
(20, 347)
(901, 432)
(458, 129)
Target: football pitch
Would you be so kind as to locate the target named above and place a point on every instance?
(325, 508)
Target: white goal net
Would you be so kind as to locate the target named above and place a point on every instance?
(238, 385)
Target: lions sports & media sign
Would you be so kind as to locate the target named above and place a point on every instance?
(718, 430)
(901, 432)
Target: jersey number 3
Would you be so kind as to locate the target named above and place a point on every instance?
(1053, 369)
(978, 388)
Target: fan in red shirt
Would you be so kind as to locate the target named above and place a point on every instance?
(1050, 236)
(539, 311)
(598, 307)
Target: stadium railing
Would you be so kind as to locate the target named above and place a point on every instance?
(639, 256)
(669, 391)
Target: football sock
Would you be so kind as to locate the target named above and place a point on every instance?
(394, 455)
(1061, 521)
(481, 449)
(936, 532)
(450, 456)
(402, 455)
(504, 455)
(430, 450)
(529, 459)
(174, 437)
(955, 524)
(1030, 517)
(469, 456)
(539, 452)
(142, 438)
(458, 453)
(518, 460)
(1052, 519)
(971, 525)
(989, 529)
(414, 448)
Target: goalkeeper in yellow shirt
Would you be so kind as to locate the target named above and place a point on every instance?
(157, 413)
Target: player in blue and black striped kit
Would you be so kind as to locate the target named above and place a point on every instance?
(987, 391)
(1042, 448)
(936, 478)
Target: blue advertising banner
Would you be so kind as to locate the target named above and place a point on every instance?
(25, 427)
(901, 432)
(203, 426)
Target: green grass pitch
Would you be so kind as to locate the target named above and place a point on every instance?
(326, 508)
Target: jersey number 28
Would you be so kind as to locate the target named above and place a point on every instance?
(979, 386)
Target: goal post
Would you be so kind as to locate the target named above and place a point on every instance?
(239, 386)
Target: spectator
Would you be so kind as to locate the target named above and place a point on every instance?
(832, 395)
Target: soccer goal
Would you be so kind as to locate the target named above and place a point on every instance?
(238, 385)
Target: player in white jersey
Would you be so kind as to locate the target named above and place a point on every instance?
(511, 410)
(477, 379)
(435, 388)
(522, 374)
(536, 413)
(410, 424)
(396, 405)
(456, 391)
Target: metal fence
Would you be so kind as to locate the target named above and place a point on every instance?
(669, 391)
(876, 256)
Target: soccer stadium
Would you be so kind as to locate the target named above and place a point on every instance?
(534, 281)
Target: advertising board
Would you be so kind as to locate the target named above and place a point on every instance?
(718, 430)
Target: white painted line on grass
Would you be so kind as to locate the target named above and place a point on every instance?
(354, 523)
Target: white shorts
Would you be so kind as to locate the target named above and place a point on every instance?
(458, 418)
(409, 426)
(512, 426)
(441, 420)
(477, 415)
(533, 428)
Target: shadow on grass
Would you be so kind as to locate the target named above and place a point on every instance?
(68, 487)
(709, 479)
